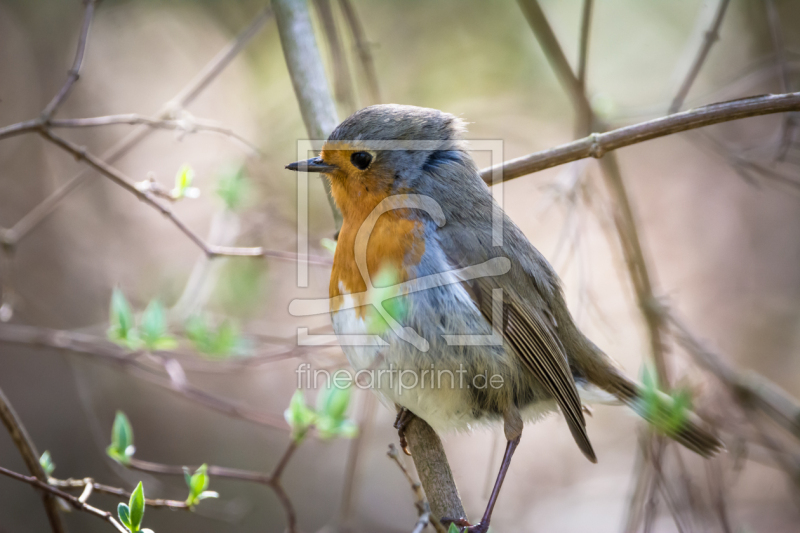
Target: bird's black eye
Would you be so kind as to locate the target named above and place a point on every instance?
(361, 160)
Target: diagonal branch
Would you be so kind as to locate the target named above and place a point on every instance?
(75, 71)
(363, 49)
(711, 36)
(599, 144)
(75, 502)
(30, 456)
(184, 97)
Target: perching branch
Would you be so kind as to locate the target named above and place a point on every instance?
(30, 456)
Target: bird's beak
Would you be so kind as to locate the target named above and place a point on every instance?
(315, 164)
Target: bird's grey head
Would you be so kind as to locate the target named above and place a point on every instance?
(407, 145)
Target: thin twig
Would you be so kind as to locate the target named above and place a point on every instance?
(342, 83)
(75, 71)
(423, 509)
(788, 125)
(363, 49)
(30, 456)
(93, 347)
(184, 97)
(81, 154)
(113, 491)
(583, 46)
(308, 77)
(69, 498)
(711, 36)
(598, 144)
(271, 480)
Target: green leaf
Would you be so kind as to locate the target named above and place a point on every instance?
(667, 413)
(198, 483)
(136, 505)
(232, 187)
(47, 463)
(385, 295)
(299, 416)
(333, 401)
(123, 328)
(121, 448)
(187, 476)
(154, 329)
(453, 528)
(183, 184)
(124, 514)
(222, 342)
(328, 244)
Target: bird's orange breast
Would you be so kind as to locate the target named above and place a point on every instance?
(396, 242)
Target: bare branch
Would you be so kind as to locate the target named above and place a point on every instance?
(75, 71)
(434, 471)
(363, 49)
(423, 508)
(81, 154)
(69, 498)
(30, 456)
(342, 84)
(90, 346)
(598, 144)
(710, 37)
(193, 89)
(583, 50)
(272, 480)
(89, 483)
(789, 125)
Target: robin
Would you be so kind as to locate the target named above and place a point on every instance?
(474, 328)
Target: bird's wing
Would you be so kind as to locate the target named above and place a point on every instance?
(528, 325)
(532, 339)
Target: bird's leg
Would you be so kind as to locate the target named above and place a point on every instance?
(404, 417)
(513, 432)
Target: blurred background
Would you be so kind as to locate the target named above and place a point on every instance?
(717, 209)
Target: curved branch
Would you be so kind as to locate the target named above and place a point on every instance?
(598, 144)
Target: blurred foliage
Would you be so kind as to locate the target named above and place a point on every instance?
(121, 448)
(216, 342)
(328, 418)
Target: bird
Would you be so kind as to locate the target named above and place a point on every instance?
(471, 322)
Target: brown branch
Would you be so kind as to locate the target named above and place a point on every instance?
(423, 508)
(184, 97)
(185, 124)
(342, 84)
(583, 46)
(308, 77)
(271, 480)
(788, 126)
(69, 498)
(113, 491)
(75, 71)
(751, 389)
(103, 351)
(434, 471)
(30, 456)
(363, 49)
(81, 154)
(711, 36)
(598, 144)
